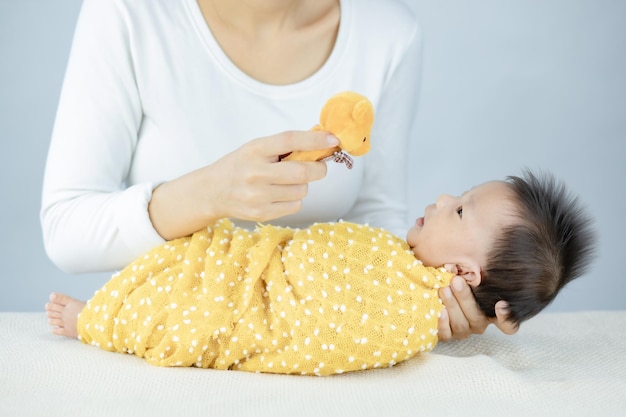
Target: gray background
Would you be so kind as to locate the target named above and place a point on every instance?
(506, 85)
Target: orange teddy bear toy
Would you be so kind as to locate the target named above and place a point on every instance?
(349, 116)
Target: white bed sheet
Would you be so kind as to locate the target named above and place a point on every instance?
(558, 364)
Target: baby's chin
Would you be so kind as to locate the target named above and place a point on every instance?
(410, 236)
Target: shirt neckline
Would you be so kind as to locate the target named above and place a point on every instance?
(256, 86)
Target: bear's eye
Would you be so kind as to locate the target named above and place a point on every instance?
(365, 138)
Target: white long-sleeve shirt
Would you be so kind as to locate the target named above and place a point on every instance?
(149, 96)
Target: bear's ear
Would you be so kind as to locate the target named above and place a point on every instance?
(363, 112)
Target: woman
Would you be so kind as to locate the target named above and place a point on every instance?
(175, 113)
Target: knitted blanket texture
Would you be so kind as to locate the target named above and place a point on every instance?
(328, 299)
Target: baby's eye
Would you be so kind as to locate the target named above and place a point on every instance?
(459, 211)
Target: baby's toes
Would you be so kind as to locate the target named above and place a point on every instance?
(55, 322)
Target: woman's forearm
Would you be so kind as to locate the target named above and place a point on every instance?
(182, 206)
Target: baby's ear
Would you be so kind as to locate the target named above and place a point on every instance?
(502, 311)
(471, 272)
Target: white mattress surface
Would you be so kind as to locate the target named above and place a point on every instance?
(558, 364)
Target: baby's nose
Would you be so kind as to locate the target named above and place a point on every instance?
(444, 199)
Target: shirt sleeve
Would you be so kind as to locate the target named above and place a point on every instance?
(382, 201)
(90, 220)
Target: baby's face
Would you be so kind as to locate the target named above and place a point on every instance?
(462, 229)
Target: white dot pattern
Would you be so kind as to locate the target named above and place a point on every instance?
(329, 299)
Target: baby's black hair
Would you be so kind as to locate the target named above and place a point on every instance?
(531, 261)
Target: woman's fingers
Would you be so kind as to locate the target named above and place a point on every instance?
(443, 326)
(295, 172)
(247, 184)
(293, 140)
(457, 325)
(475, 318)
(464, 316)
(252, 183)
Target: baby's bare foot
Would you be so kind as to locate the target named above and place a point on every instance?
(62, 312)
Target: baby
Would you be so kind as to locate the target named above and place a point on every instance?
(335, 297)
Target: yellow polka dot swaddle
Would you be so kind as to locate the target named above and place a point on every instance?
(331, 298)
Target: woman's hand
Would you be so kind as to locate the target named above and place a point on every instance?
(462, 317)
(254, 186)
(247, 184)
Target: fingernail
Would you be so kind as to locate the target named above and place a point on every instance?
(446, 292)
(332, 140)
(457, 283)
(444, 313)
